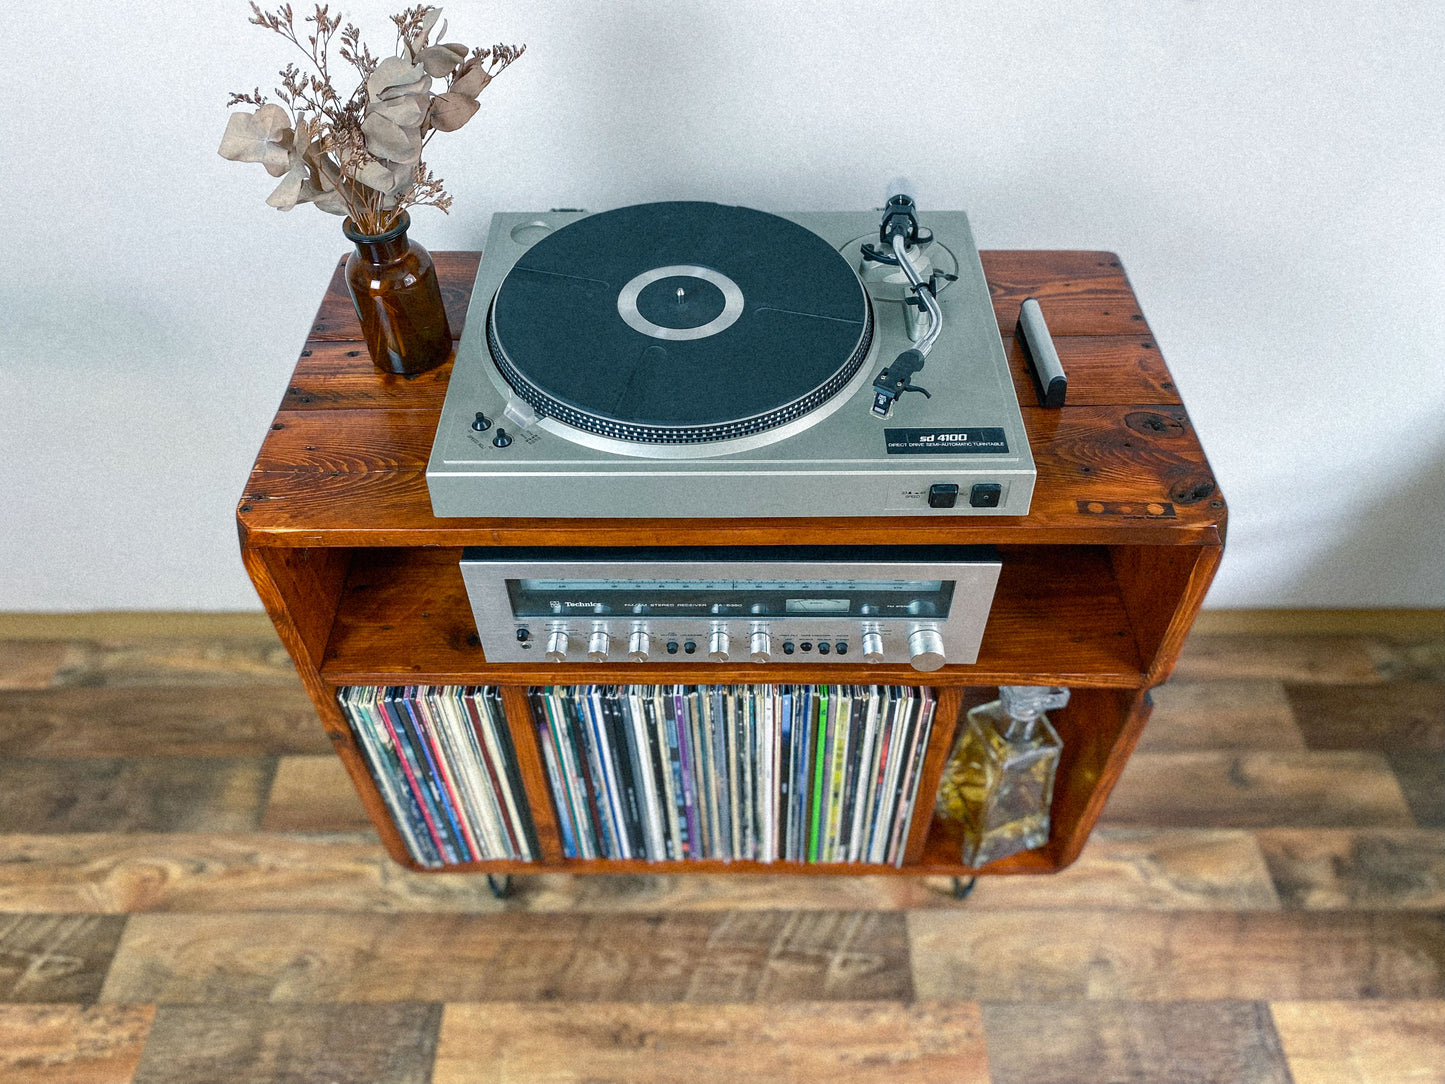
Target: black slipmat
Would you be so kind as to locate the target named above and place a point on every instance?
(558, 339)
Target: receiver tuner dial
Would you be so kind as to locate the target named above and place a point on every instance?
(637, 645)
(762, 647)
(872, 647)
(597, 646)
(557, 646)
(717, 644)
(925, 648)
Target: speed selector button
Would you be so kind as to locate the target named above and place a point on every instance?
(925, 648)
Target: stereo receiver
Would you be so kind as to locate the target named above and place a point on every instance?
(732, 603)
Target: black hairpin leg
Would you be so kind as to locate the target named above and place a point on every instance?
(500, 884)
(963, 888)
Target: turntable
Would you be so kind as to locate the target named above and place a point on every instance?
(692, 359)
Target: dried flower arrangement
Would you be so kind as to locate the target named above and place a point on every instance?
(361, 155)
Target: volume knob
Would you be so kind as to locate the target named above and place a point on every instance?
(637, 646)
(557, 646)
(761, 645)
(925, 646)
(597, 646)
(872, 647)
(717, 644)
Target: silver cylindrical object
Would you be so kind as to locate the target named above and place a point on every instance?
(597, 645)
(872, 647)
(557, 646)
(637, 645)
(717, 644)
(762, 645)
(925, 648)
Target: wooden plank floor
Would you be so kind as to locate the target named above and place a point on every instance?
(189, 892)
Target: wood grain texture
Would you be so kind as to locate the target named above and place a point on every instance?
(1104, 370)
(1048, 955)
(29, 664)
(291, 1044)
(1422, 780)
(149, 661)
(1399, 716)
(1207, 1042)
(1363, 868)
(174, 794)
(72, 1044)
(1218, 715)
(201, 873)
(729, 957)
(1363, 1042)
(847, 1043)
(1258, 789)
(50, 958)
(1324, 660)
(313, 794)
(211, 721)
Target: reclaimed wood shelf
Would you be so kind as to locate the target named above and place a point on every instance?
(1100, 582)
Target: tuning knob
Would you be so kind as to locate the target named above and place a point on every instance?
(717, 644)
(597, 646)
(557, 646)
(873, 647)
(637, 646)
(925, 647)
(761, 645)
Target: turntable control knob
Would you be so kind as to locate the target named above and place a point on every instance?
(717, 644)
(762, 645)
(872, 647)
(482, 423)
(597, 646)
(557, 646)
(925, 648)
(637, 646)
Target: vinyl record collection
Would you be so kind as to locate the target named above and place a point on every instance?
(798, 773)
(443, 761)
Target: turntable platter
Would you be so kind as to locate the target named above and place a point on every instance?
(678, 323)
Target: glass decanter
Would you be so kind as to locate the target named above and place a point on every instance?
(999, 782)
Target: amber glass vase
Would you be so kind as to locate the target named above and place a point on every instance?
(398, 300)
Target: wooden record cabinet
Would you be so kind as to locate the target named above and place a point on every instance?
(1100, 582)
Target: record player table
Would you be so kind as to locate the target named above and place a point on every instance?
(1100, 583)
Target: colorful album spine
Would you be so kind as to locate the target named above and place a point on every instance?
(446, 775)
(734, 773)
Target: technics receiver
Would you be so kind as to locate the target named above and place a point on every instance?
(734, 604)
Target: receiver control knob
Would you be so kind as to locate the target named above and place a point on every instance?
(557, 646)
(925, 646)
(762, 645)
(717, 644)
(597, 646)
(872, 647)
(637, 646)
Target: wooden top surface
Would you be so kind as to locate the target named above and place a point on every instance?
(344, 462)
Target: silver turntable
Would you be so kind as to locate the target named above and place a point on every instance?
(699, 360)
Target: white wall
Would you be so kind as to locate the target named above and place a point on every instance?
(1272, 175)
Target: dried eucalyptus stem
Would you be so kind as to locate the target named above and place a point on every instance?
(360, 155)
